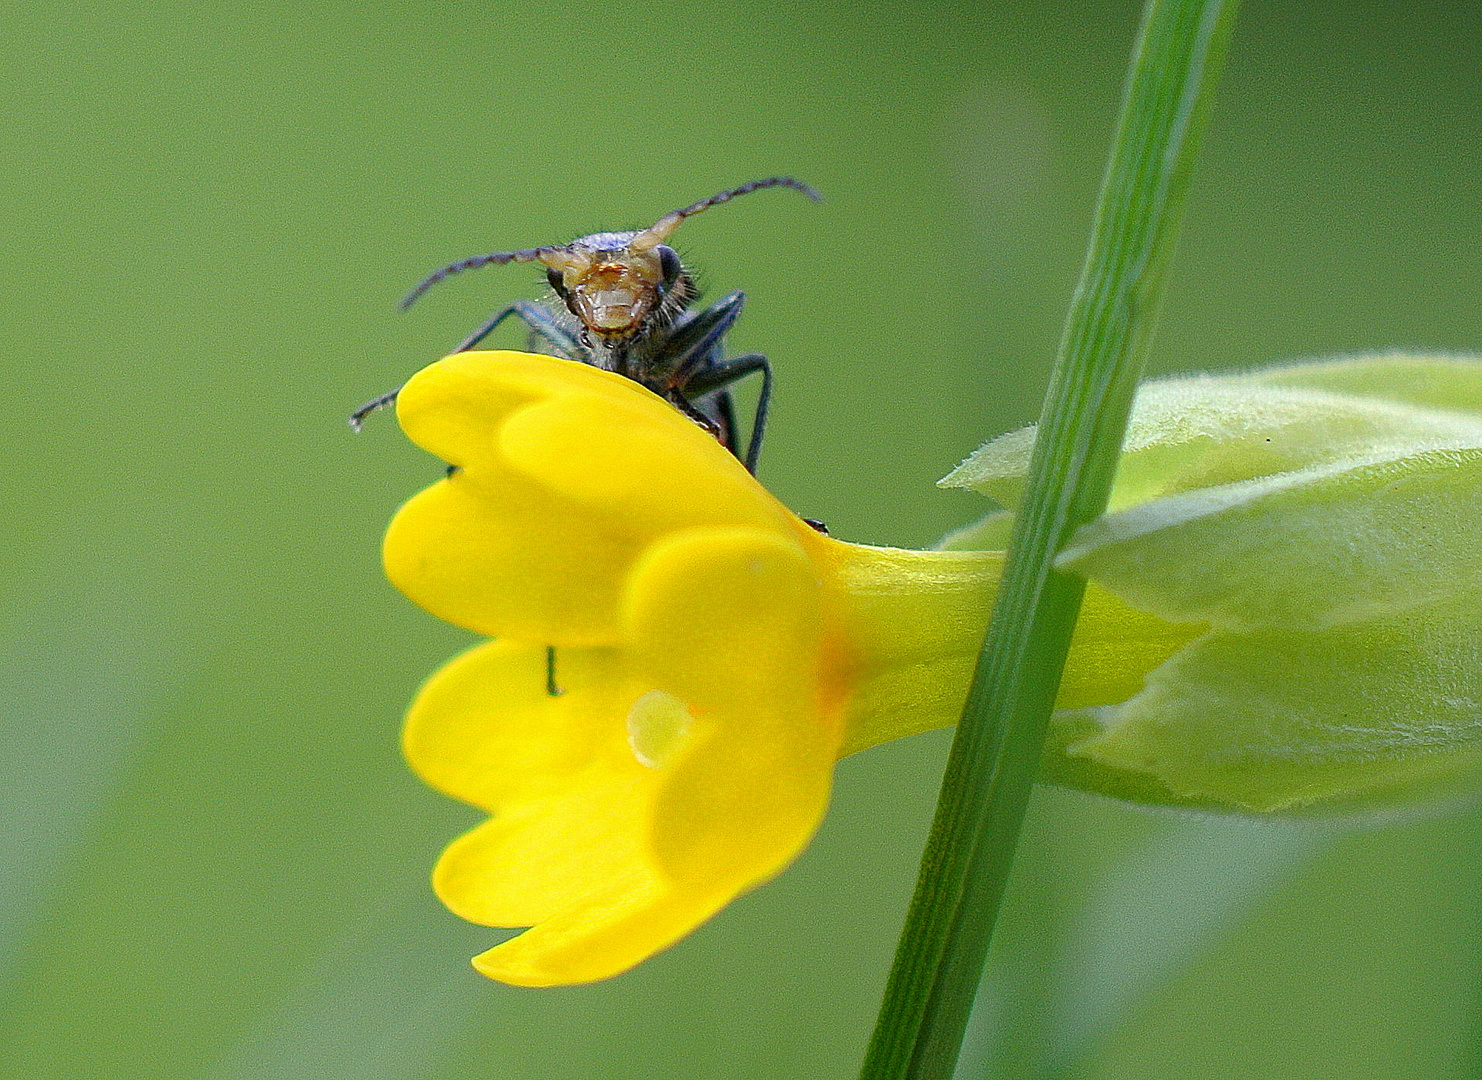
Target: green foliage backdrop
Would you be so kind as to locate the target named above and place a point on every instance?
(212, 860)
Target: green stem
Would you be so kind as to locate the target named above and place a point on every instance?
(996, 752)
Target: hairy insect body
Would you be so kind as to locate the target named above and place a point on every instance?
(624, 309)
(623, 303)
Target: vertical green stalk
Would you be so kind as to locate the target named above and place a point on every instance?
(995, 755)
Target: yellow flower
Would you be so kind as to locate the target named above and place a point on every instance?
(713, 657)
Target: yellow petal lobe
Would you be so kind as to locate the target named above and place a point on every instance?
(563, 475)
(728, 621)
(569, 795)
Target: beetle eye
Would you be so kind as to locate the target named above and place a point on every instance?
(669, 264)
(554, 277)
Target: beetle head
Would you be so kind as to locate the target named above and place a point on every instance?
(613, 282)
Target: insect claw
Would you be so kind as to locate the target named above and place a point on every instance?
(359, 416)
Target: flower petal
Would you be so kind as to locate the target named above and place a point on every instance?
(484, 729)
(572, 801)
(729, 622)
(502, 557)
(604, 935)
(532, 862)
(455, 407)
(565, 473)
(668, 776)
(624, 458)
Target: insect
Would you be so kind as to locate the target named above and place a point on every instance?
(623, 303)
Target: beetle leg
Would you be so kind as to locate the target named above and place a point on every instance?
(541, 322)
(357, 418)
(710, 423)
(724, 374)
(693, 343)
(721, 407)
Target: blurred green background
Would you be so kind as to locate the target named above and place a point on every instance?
(213, 862)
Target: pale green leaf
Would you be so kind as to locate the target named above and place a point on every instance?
(1322, 546)
(1202, 431)
(1356, 716)
(1432, 381)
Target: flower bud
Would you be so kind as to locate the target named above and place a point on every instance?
(1318, 530)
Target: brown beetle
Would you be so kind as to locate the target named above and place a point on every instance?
(623, 303)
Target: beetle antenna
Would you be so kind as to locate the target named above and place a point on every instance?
(660, 230)
(496, 258)
(746, 189)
